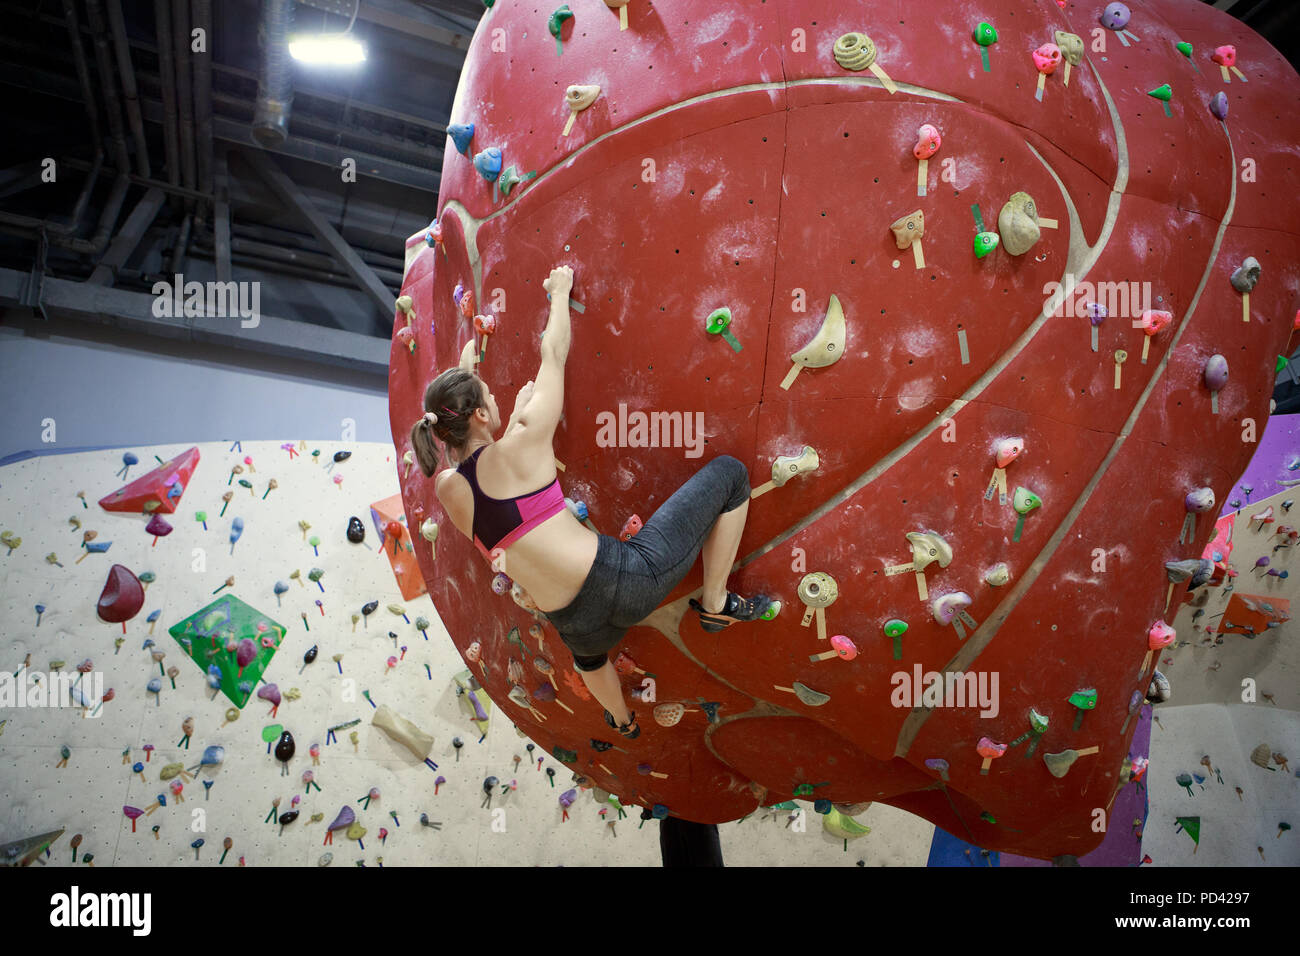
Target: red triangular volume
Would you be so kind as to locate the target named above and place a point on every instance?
(155, 487)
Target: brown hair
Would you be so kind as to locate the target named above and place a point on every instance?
(449, 401)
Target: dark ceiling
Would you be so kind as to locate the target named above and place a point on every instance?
(157, 172)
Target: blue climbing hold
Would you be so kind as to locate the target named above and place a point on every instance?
(461, 134)
(488, 163)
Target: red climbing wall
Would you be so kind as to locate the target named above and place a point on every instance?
(731, 161)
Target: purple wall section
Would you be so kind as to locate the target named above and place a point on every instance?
(1278, 453)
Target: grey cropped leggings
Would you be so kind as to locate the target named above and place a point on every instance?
(629, 579)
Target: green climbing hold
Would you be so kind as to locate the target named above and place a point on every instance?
(565, 756)
(1025, 501)
(772, 611)
(985, 242)
(1084, 699)
(716, 324)
(1184, 48)
(556, 22)
(985, 35)
(988, 817)
(1165, 93)
(1281, 363)
(896, 629)
(1038, 722)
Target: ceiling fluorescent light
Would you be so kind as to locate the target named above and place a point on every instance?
(338, 49)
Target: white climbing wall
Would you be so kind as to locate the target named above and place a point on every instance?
(37, 497)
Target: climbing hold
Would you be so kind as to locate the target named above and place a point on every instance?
(1219, 105)
(555, 23)
(1216, 376)
(1005, 452)
(985, 36)
(1059, 764)
(716, 324)
(668, 714)
(1164, 92)
(998, 575)
(894, 628)
(1246, 275)
(928, 142)
(1071, 46)
(1083, 700)
(1047, 58)
(121, 598)
(786, 467)
(461, 134)
(1184, 48)
(488, 163)
(1152, 323)
(855, 51)
(1225, 55)
(1116, 16)
(578, 98)
(818, 591)
(951, 609)
(985, 242)
(1018, 224)
(842, 648)
(939, 766)
(1023, 501)
(990, 750)
(806, 695)
(356, 530)
(630, 528)
(1261, 755)
(825, 348)
(908, 232)
(508, 180)
(927, 548)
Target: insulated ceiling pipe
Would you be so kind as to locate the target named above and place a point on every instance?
(202, 11)
(275, 86)
(112, 103)
(126, 70)
(162, 18)
(184, 96)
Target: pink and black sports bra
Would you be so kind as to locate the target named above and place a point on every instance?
(500, 522)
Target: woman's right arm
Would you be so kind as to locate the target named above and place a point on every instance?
(542, 414)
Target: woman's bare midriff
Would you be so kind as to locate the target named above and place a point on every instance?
(552, 561)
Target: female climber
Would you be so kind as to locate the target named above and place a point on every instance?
(503, 494)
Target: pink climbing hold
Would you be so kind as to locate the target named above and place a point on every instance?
(1225, 55)
(245, 653)
(1154, 321)
(928, 142)
(1047, 58)
(1160, 635)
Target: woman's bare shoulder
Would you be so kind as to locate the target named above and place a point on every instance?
(444, 481)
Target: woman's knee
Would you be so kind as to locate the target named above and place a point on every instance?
(734, 472)
(588, 663)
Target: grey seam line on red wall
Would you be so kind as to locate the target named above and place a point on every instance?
(984, 635)
(470, 223)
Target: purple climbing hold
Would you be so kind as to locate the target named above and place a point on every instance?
(345, 819)
(1219, 105)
